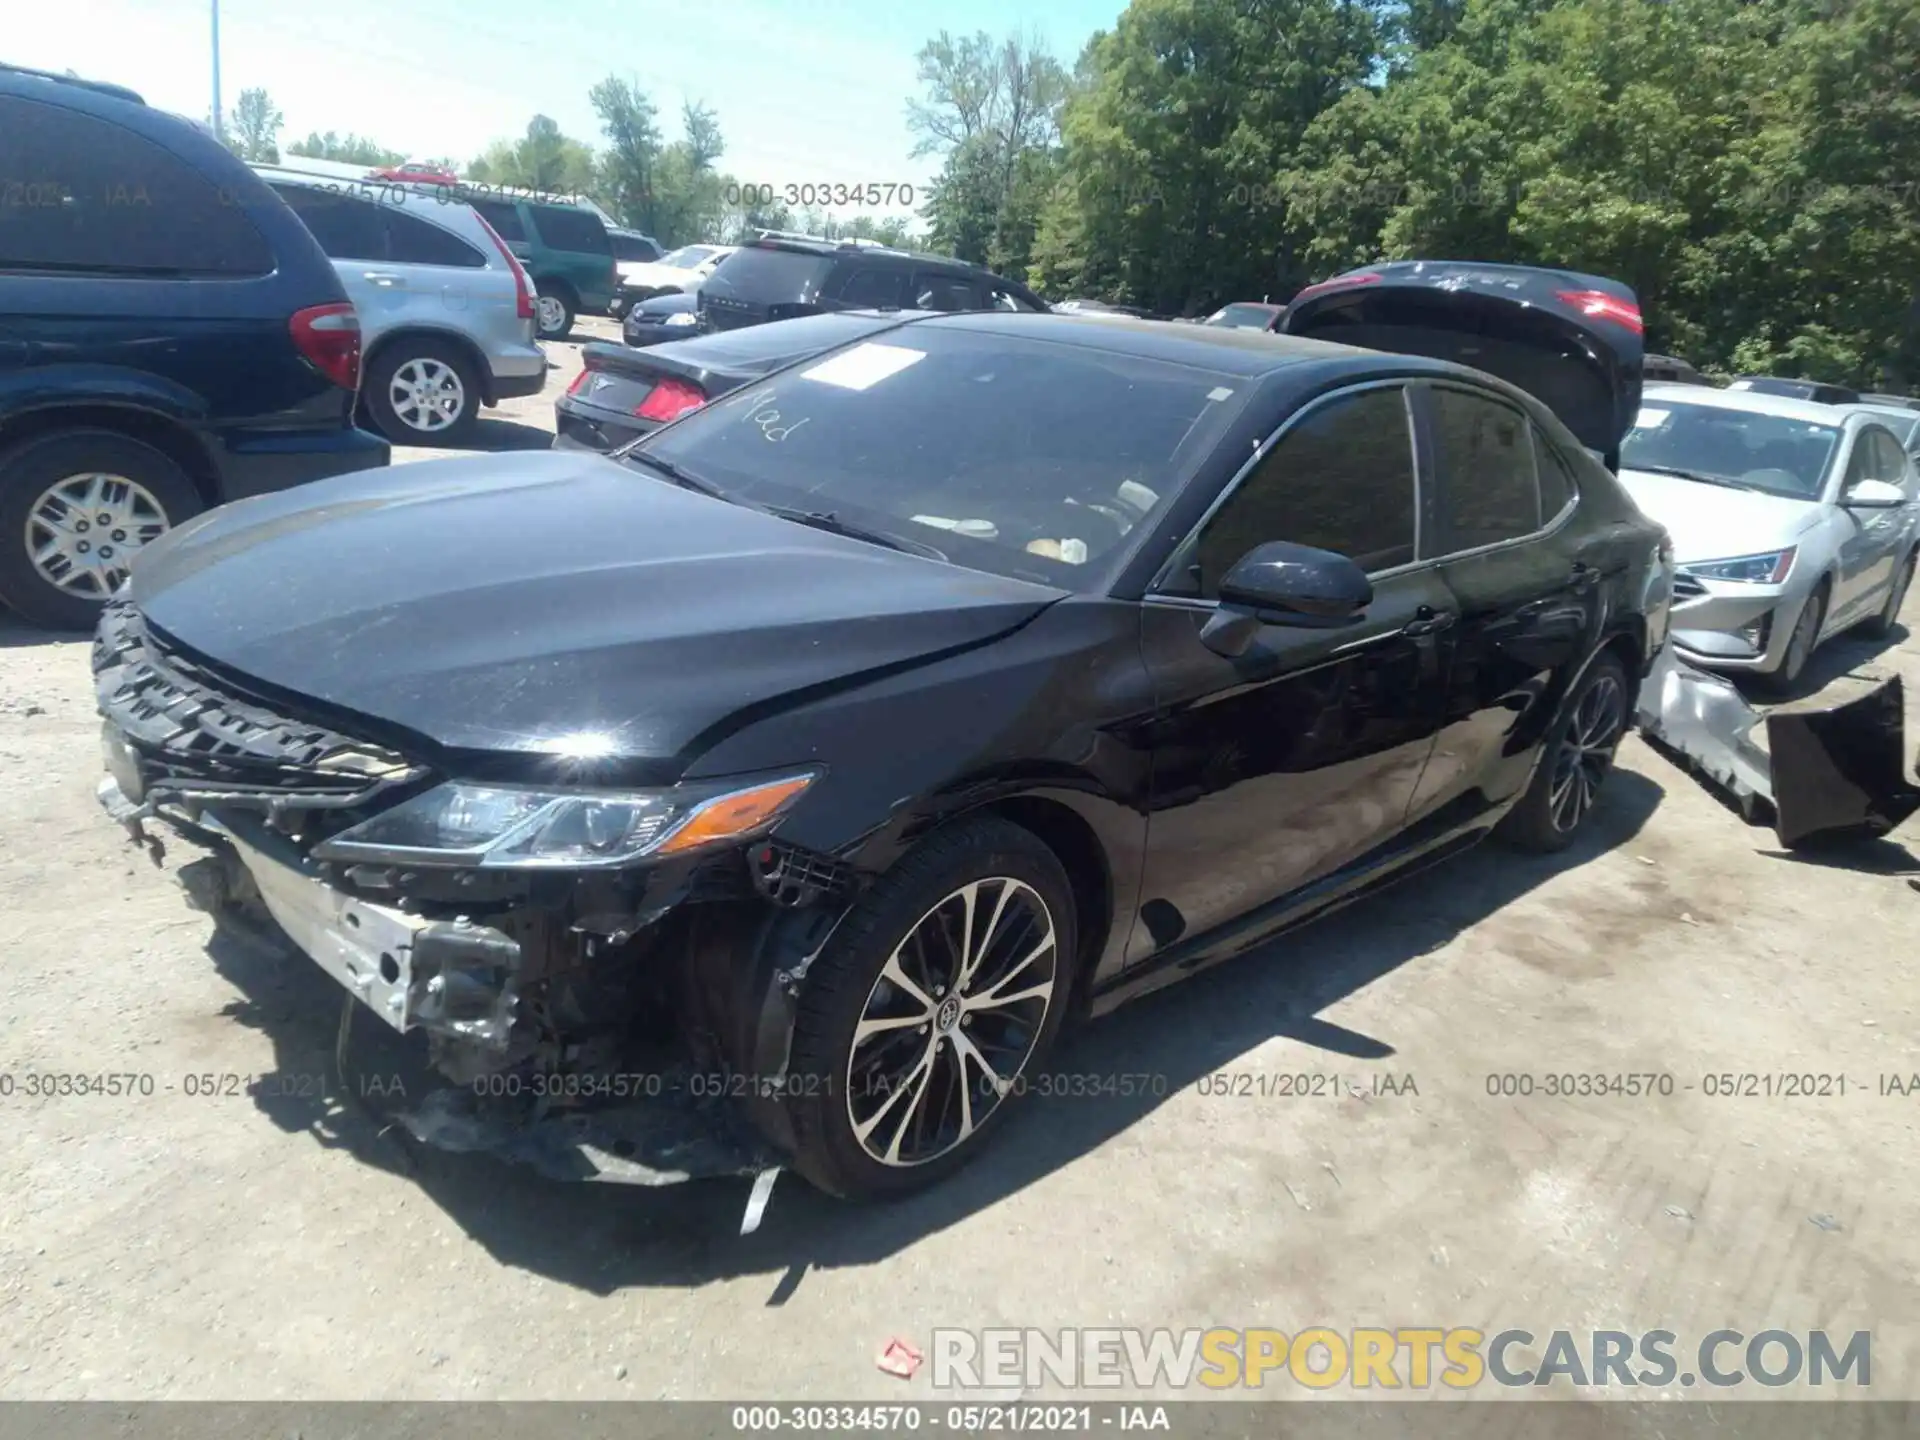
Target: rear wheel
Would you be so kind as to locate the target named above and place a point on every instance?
(553, 311)
(76, 508)
(1882, 624)
(423, 392)
(942, 992)
(1575, 761)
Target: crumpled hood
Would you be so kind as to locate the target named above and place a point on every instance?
(500, 603)
(1711, 522)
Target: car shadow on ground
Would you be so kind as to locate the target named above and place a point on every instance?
(492, 434)
(604, 1238)
(17, 634)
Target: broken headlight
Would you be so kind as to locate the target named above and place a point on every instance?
(506, 826)
(1768, 569)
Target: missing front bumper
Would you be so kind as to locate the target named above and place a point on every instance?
(1822, 772)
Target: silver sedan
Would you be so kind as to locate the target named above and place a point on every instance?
(1791, 521)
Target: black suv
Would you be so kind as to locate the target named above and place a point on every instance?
(174, 338)
(778, 278)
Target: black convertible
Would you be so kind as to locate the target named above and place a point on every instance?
(772, 794)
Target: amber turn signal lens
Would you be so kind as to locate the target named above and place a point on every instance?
(735, 814)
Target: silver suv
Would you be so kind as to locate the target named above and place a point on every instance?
(446, 312)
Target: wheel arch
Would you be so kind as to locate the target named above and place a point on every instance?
(1077, 846)
(171, 438)
(470, 352)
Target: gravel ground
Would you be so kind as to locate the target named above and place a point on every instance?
(277, 1245)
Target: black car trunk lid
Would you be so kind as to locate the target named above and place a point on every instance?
(1575, 341)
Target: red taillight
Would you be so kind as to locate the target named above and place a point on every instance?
(1599, 305)
(522, 283)
(329, 336)
(1338, 282)
(579, 382)
(669, 400)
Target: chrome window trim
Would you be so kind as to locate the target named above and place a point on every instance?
(1405, 385)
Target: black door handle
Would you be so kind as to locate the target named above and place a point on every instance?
(1584, 577)
(1427, 621)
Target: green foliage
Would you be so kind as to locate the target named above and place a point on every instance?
(1751, 167)
(255, 133)
(542, 159)
(349, 149)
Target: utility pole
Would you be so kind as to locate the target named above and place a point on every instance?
(218, 132)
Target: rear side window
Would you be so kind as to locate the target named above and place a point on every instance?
(944, 292)
(1484, 454)
(1341, 479)
(413, 241)
(873, 289)
(86, 196)
(347, 228)
(504, 217)
(633, 248)
(1557, 485)
(573, 230)
(1002, 298)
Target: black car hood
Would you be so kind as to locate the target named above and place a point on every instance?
(1574, 341)
(508, 603)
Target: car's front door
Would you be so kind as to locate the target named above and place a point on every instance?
(1279, 767)
(1527, 584)
(1871, 540)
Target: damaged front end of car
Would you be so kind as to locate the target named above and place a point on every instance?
(604, 977)
(1814, 772)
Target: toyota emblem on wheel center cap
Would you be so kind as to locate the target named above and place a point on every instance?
(948, 1015)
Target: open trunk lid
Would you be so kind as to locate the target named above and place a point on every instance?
(1574, 341)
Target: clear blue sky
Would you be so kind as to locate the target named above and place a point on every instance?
(808, 90)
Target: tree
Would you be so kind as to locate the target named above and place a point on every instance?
(991, 108)
(349, 149)
(542, 159)
(633, 153)
(256, 128)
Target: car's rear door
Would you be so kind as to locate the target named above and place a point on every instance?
(1280, 767)
(1527, 583)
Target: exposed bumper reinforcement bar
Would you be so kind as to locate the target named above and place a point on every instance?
(1812, 772)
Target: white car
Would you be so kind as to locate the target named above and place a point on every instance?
(1791, 521)
(680, 270)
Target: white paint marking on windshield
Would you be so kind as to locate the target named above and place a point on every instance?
(1647, 419)
(864, 366)
(1219, 392)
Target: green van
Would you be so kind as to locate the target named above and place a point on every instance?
(564, 246)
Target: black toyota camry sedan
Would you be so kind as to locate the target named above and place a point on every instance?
(789, 781)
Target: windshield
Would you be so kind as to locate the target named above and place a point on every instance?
(687, 256)
(1770, 453)
(1018, 456)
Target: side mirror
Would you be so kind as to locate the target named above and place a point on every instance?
(1874, 495)
(1281, 583)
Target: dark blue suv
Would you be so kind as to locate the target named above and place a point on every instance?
(171, 337)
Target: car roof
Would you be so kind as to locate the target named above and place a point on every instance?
(847, 249)
(1752, 402)
(73, 82)
(1232, 351)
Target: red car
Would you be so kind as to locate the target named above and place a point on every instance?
(416, 172)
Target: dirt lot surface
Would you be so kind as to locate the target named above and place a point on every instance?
(274, 1244)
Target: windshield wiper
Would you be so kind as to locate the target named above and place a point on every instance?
(829, 520)
(1699, 476)
(684, 479)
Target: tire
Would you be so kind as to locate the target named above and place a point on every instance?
(1882, 625)
(553, 311)
(937, 1094)
(1800, 646)
(136, 485)
(1575, 760)
(429, 374)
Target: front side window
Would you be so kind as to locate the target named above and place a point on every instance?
(1001, 298)
(1021, 457)
(944, 292)
(873, 289)
(1340, 479)
(1737, 449)
(84, 196)
(1483, 456)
